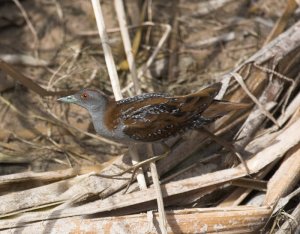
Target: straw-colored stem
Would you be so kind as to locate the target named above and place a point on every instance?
(119, 6)
(159, 197)
(111, 66)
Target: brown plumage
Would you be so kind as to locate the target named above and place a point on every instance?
(152, 117)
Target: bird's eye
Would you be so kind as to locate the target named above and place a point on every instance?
(84, 96)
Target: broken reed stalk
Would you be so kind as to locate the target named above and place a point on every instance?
(119, 6)
(111, 67)
(159, 196)
(112, 70)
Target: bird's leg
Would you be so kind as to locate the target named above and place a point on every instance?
(153, 159)
(136, 166)
(147, 161)
(227, 146)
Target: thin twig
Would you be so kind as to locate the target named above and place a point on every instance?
(157, 49)
(241, 82)
(283, 77)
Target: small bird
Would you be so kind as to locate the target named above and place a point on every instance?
(154, 117)
(151, 117)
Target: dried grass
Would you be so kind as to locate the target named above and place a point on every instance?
(200, 192)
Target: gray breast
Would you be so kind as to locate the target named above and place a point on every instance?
(116, 134)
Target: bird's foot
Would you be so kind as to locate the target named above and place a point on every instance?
(133, 169)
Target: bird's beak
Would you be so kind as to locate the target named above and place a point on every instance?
(68, 99)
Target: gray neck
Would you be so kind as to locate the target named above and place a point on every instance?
(97, 114)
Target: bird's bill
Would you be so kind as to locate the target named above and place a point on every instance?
(68, 99)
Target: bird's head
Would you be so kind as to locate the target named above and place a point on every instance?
(89, 99)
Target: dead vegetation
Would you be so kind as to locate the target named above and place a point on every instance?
(50, 156)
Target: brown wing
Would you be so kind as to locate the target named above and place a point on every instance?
(158, 117)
